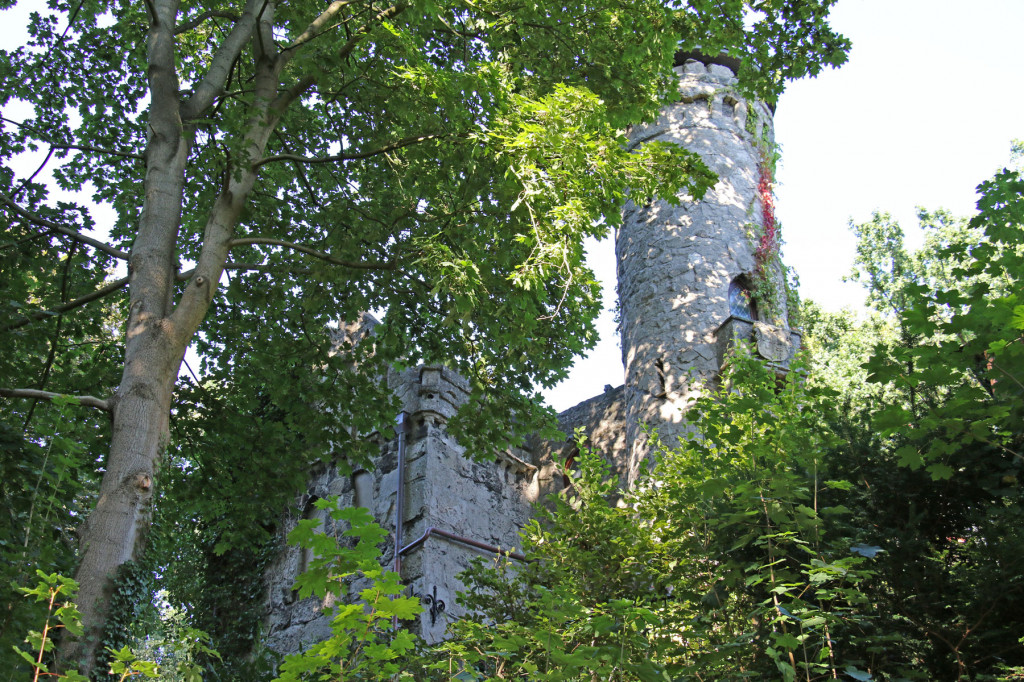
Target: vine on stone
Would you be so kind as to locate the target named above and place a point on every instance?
(768, 242)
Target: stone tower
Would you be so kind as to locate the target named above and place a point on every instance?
(678, 265)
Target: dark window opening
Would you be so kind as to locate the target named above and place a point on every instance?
(741, 302)
(662, 367)
(311, 512)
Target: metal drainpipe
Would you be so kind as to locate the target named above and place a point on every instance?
(402, 427)
(462, 539)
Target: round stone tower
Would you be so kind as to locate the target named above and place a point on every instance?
(679, 266)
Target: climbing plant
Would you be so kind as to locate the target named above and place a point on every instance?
(770, 275)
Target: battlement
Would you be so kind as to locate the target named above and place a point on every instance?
(430, 393)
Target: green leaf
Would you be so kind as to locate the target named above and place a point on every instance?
(1018, 317)
(940, 472)
(909, 456)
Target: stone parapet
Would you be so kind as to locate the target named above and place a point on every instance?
(602, 420)
(486, 501)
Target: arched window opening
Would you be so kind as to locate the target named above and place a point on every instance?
(362, 483)
(311, 512)
(569, 466)
(741, 301)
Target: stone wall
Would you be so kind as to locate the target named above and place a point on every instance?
(675, 265)
(602, 421)
(486, 502)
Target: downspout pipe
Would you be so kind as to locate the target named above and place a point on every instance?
(402, 427)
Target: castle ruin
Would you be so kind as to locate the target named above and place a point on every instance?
(684, 280)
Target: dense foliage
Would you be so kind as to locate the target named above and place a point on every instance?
(795, 535)
(724, 563)
(240, 177)
(929, 391)
(800, 532)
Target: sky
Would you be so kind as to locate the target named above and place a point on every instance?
(923, 111)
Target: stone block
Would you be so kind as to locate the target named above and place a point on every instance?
(775, 345)
(723, 72)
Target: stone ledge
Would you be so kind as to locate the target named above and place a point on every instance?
(776, 345)
(509, 460)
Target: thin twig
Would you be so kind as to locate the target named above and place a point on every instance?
(99, 150)
(1009, 376)
(405, 142)
(51, 355)
(362, 33)
(62, 145)
(310, 252)
(255, 267)
(24, 183)
(70, 305)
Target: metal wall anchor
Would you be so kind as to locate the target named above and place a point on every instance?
(435, 605)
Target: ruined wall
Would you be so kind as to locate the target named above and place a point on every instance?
(675, 263)
(292, 624)
(602, 419)
(488, 502)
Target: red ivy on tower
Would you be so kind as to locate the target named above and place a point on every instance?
(768, 245)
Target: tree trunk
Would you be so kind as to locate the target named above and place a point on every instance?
(159, 329)
(113, 533)
(154, 349)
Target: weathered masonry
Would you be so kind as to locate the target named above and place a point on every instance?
(684, 280)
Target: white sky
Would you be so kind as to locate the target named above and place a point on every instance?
(921, 114)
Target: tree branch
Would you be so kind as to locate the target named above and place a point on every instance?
(51, 355)
(310, 252)
(300, 173)
(362, 33)
(99, 150)
(296, 91)
(74, 234)
(258, 267)
(60, 145)
(213, 82)
(220, 14)
(405, 142)
(32, 393)
(70, 305)
(316, 27)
